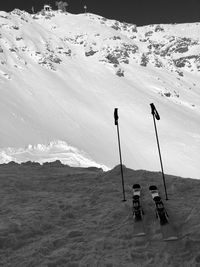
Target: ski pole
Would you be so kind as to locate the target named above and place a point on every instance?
(116, 117)
(155, 114)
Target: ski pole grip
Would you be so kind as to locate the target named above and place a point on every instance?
(154, 111)
(152, 108)
(116, 117)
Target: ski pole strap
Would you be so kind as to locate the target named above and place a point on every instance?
(116, 117)
(154, 111)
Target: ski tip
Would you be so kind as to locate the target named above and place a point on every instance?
(153, 187)
(171, 238)
(136, 186)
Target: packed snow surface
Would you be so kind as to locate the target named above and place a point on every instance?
(62, 75)
(56, 215)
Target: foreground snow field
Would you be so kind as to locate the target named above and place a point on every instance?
(56, 215)
(62, 75)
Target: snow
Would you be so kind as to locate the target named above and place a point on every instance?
(51, 92)
(55, 150)
(56, 215)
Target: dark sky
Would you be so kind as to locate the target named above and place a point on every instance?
(140, 12)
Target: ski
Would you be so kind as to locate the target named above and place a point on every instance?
(137, 211)
(167, 230)
(161, 213)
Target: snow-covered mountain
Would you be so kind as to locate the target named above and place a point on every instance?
(62, 75)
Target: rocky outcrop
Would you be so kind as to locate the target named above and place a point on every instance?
(123, 42)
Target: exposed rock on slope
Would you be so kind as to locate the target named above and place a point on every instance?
(62, 75)
(154, 40)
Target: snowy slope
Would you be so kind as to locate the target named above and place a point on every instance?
(62, 75)
(55, 215)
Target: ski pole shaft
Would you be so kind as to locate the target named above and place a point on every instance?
(120, 154)
(163, 176)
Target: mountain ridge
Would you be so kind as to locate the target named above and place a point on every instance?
(58, 71)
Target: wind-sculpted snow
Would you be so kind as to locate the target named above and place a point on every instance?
(62, 75)
(55, 150)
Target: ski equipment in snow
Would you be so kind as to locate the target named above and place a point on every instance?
(137, 211)
(167, 229)
(161, 213)
(155, 114)
(116, 117)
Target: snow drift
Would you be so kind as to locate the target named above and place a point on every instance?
(49, 153)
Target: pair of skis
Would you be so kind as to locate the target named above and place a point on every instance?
(167, 230)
